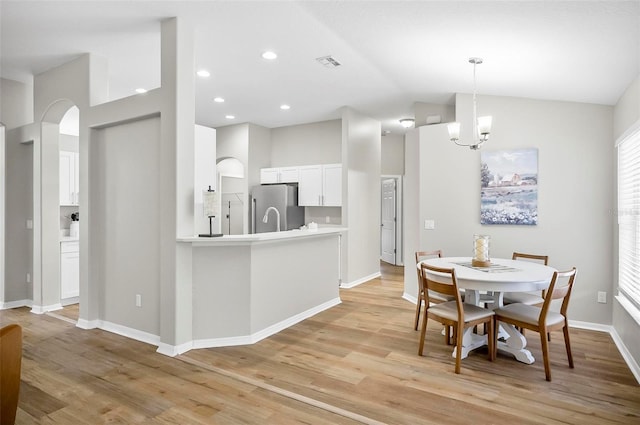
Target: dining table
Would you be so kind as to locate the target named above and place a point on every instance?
(486, 286)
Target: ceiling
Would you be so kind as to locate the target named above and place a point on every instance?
(392, 53)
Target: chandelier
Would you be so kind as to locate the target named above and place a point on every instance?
(483, 124)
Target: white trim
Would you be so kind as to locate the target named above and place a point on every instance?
(88, 324)
(413, 300)
(130, 332)
(3, 171)
(264, 333)
(41, 309)
(360, 281)
(174, 350)
(629, 307)
(15, 304)
(69, 301)
(629, 132)
(626, 354)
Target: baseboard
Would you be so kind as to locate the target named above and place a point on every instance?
(88, 324)
(16, 304)
(624, 352)
(264, 333)
(360, 281)
(410, 298)
(68, 301)
(130, 332)
(174, 350)
(41, 309)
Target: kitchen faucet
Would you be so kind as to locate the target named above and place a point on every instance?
(266, 217)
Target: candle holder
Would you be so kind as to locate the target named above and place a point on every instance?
(481, 251)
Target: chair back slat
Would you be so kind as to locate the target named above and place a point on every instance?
(442, 280)
(559, 288)
(520, 255)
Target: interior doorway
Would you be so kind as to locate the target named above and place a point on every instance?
(391, 220)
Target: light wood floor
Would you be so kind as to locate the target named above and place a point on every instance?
(354, 363)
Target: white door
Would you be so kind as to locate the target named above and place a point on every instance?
(388, 225)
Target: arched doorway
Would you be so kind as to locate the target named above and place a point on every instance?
(52, 244)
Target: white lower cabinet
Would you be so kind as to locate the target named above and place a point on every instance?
(69, 269)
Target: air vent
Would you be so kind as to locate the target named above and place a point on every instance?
(328, 61)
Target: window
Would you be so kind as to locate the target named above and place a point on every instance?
(629, 220)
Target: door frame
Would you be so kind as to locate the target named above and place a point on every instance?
(399, 214)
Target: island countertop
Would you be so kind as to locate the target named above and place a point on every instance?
(259, 237)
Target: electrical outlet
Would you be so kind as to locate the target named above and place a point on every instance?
(29, 224)
(327, 219)
(429, 224)
(602, 297)
(138, 300)
(28, 277)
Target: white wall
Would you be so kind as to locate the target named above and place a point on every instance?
(16, 110)
(307, 144)
(422, 110)
(16, 103)
(626, 115)
(392, 154)
(361, 196)
(575, 199)
(126, 194)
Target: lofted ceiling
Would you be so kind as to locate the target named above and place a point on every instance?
(392, 53)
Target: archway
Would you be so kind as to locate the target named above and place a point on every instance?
(49, 217)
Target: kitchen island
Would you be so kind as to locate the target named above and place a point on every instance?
(247, 287)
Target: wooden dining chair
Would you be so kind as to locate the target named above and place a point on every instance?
(435, 298)
(541, 319)
(10, 364)
(454, 313)
(526, 297)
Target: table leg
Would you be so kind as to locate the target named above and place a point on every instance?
(515, 344)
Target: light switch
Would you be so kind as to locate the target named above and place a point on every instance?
(29, 224)
(429, 224)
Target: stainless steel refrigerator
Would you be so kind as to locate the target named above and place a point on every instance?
(271, 201)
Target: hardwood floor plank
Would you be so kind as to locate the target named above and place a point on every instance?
(354, 363)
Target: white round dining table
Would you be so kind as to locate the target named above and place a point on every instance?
(503, 275)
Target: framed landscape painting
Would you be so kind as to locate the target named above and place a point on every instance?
(509, 187)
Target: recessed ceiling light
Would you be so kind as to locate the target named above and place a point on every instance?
(218, 99)
(229, 117)
(269, 55)
(203, 73)
(141, 90)
(285, 107)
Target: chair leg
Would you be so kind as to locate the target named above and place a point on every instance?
(423, 332)
(418, 307)
(447, 334)
(459, 331)
(567, 343)
(491, 339)
(545, 354)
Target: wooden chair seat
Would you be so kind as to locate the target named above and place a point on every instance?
(10, 365)
(529, 314)
(449, 311)
(455, 314)
(542, 319)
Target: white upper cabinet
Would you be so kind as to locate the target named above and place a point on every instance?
(320, 185)
(69, 178)
(332, 185)
(279, 175)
